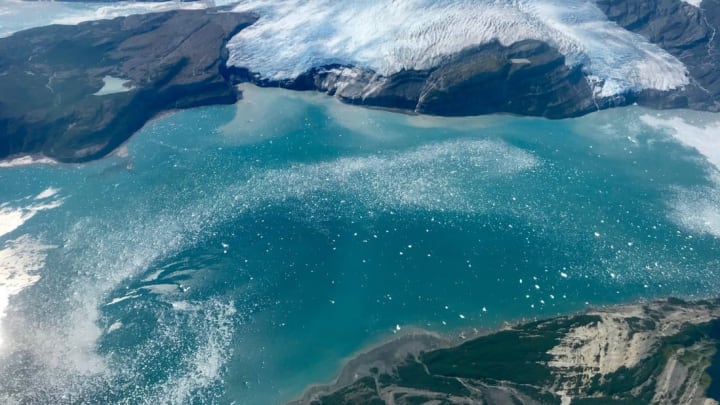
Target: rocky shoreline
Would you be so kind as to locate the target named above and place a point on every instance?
(530, 77)
(658, 352)
(75, 93)
(526, 78)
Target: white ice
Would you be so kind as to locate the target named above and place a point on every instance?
(26, 161)
(11, 218)
(703, 137)
(387, 36)
(696, 209)
(20, 259)
(47, 193)
(694, 3)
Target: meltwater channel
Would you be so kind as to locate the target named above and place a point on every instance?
(240, 253)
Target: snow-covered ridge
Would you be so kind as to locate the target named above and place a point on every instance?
(387, 36)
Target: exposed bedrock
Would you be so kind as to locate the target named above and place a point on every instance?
(687, 32)
(531, 78)
(49, 78)
(62, 94)
(528, 77)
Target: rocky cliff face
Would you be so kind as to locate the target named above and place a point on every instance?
(686, 32)
(51, 101)
(528, 77)
(54, 99)
(653, 353)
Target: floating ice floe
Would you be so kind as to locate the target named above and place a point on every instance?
(25, 161)
(697, 209)
(13, 217)
(20, 260)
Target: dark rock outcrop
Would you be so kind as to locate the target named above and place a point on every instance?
(689, 33)
(48, 77)
(528, 77)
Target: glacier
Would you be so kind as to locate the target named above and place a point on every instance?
(387, 36)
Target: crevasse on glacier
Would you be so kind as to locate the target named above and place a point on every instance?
(387, 36)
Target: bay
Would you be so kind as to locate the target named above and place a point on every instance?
(240, 253)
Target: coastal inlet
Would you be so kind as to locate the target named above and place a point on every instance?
(243, 252)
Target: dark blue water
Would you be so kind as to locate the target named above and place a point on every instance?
(239, 253)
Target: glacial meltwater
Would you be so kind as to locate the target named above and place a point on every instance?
(240, 253)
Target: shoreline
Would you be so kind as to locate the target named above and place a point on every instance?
(86, 126)
(380, 355)
(120, 152)
(30, 159)
(528, 78)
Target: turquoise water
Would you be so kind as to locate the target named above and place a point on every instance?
(239, 253)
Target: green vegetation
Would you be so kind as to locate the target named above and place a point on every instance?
(361, 392)
(511, 366)
(413, 375)
(517, 355)
(508, 355)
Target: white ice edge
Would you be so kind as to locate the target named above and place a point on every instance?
(697, 209)
(702, 137)
(386, 36)
(12, 218)
(20, 259)
(26, 161)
